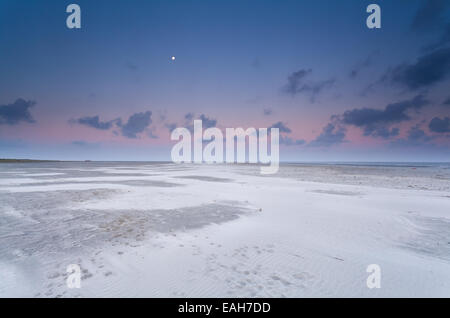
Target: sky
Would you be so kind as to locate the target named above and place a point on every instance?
(337, 90)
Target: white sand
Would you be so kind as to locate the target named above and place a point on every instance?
(211, 231)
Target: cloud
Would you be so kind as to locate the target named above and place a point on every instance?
(429, 69)
(282, 127)
(332, 134)
(356, 70)
(267, 111)
(430, 15)
(443, 41)
(19, 111)
(416, 137)
(94, 122)
(171, 126)
(415, 134)
(288, 141)
(446, 102)
(373, 122)
(189, 116)
(439, 125)
(376, 122)
(136, 124)
(383, 132)
(188, 122)
(208, 122)
(295, 81)
(394, 112)
(152, 134)
(298, 83)
(84, 144)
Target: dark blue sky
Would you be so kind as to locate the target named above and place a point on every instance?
(345, 92)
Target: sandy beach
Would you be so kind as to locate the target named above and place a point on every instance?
(168, 230)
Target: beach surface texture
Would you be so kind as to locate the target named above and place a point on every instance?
(168, 230)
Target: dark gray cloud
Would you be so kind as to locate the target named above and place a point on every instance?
(446, 102)
(188, 123)
(94, 122)
(416, 137)
(171, 126)
(430, 15)
(282, 127)
(392, 113)
(332, 134)
(373, 122)
(189, 116)
(288, 141)
(439, 125)
(19, 111)
(356, 70)
(299, 83)
(382, 132)
(376, 122)
(284, 139)
(442, 41)
(208, 122)
(296, 80)
(429, 69)
(136, 124)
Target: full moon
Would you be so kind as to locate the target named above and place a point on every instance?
(173, 58)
